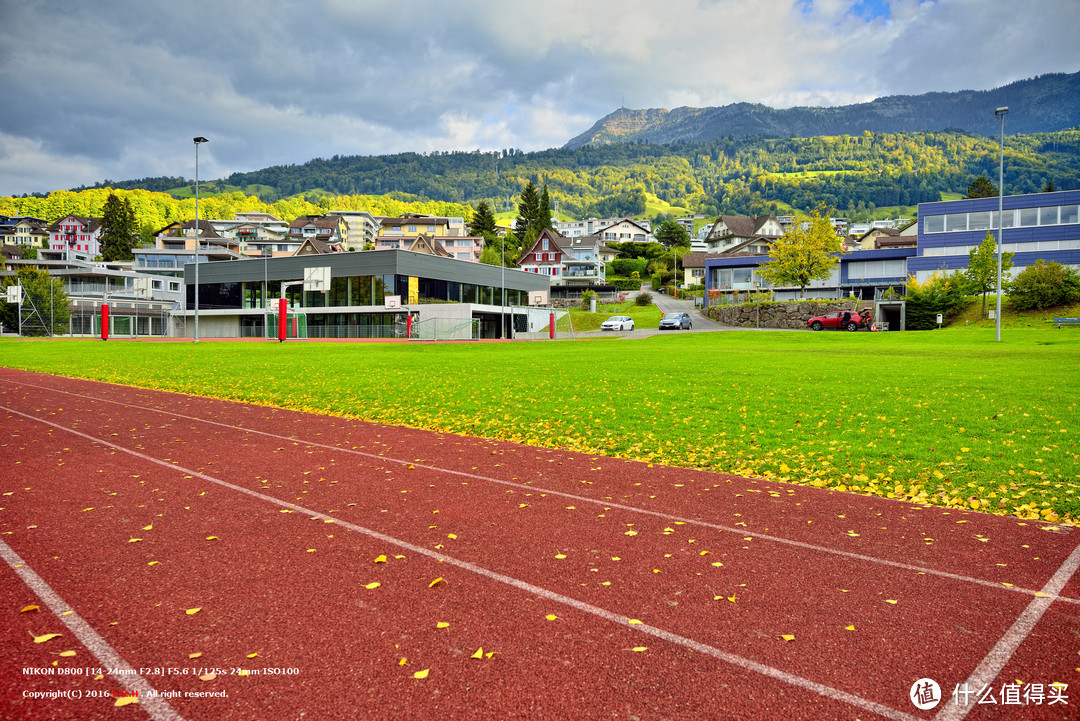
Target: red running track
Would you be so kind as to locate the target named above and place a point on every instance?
(595, 587)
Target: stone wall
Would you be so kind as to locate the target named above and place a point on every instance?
(780, 315)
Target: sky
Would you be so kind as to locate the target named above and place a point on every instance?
(117, 89)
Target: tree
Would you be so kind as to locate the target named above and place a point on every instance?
(543, 219)
(490, 255)
(1044, 285)
(45, 304)
(981, 187)
(672, 235)
(804, 254)
(1049, 187)
(528, 211)
(117, 229)
(483, 220)
(981, 273)
(939, 293)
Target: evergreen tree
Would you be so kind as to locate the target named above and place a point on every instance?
(528, 211)
(543, 219)
(118, 229)
(483, 220)
(1049, 187)
(981, 187)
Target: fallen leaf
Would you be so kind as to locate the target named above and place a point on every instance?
(208, 677)
(403, 661)
(436, 582)
(153, 563)
(551, 617)
(46, 637)
(787, 637)
(421, 674)
(849, 628)
(634, 622)
(134, 540)
(479, 653)
(640, 648)
(442, 624)
(211, 538)
(193, 611)
(126, 700)
(889, 600)
(28, 609)
(67, 653)
(560, 555)
(148, 528)
(372, 585)
(195, 655)
(252, 655)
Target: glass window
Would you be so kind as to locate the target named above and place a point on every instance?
(955, 222)
(545, 243)
(1008, 219)
(741, 275)
(1029, 217)
(1048, 216)
(979, 221)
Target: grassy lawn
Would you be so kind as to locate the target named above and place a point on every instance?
(644, 316)
(947, 417)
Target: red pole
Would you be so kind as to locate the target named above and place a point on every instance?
(551, 327)
(283, 309)
(408, 326)
(104, 321)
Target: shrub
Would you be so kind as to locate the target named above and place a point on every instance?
(937, 294)
(1044, 285)
(586, 296)
(625, 283)
(629, 266)
(643, 298)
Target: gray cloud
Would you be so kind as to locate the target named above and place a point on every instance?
(117, 88)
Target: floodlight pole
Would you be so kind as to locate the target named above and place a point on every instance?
(1000, 113)
(502, 297)
(198, 141)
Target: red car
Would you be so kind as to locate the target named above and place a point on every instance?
(840, 320)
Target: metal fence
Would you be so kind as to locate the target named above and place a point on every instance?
(446, 329)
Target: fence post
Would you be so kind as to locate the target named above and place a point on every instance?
(551, 327)
(283, 309)
(104, 321)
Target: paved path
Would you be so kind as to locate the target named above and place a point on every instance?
(312, 567)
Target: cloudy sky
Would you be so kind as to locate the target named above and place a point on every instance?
(96, 89)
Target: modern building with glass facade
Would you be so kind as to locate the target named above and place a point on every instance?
(1037, 226)
(236, 298)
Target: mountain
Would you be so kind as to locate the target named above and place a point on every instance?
(1043, 104)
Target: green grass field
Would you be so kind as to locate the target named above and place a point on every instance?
(948, 417)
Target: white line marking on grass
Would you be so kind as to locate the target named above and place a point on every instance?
(583, 499)
(1006, 646)
(618, 619)
(158, 708)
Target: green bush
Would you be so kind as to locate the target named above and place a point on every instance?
(1044, 285)
(586, 296)
(628, 266)
(643, 299)
(937, 294)
(625, 283)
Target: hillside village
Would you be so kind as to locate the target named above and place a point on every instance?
(152, 294)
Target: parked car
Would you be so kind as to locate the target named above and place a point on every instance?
(618, 322)
(838, 320)
(676, 321)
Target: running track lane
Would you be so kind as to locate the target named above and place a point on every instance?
(948, 617)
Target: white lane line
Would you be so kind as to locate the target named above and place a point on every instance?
(157, 707)
(688, 643)
(1006, 646)
(581, 499)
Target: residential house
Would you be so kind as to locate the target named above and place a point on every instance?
(693, 265)
(546, 256)
(361, 228)
(175, 247)
(590, 226)
(24, 231)
(330, 229)
(413, 224)
(314, 246)
(428, 246)
(626, 231)
(76, 237)
(743, 234)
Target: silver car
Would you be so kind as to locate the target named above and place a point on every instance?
(676, 321)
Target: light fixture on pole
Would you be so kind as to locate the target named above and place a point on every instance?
(198, 141)
(1000, 113)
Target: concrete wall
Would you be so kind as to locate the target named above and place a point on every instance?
(779, 315)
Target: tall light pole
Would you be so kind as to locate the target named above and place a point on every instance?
(266, 254)
(198, 141)
(1000, 113)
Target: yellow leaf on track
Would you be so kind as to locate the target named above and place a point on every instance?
(153, 563)
(421, 674)
(634, 622)
(551, 617)
(252, 655)
(787, 637)
(639, 649)
(126, 700)
(372, 585)
(28, 609)
(46, 637)
(195, 655)
(889, 600)
(479, 653)
(560, 555)
(208, 677)
(148, 528)
(442, 624)
(849, 628)
(211, 538)
(134, 540)
(193, 611)
(436, 582)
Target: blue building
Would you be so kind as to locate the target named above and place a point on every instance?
(1036, 226)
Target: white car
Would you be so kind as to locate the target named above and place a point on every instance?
(618, 322)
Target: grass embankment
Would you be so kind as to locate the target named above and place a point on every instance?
(647, 316)
(949, 418)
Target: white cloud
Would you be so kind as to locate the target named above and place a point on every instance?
(117, 88)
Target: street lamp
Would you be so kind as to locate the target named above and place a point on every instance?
(198, 141)
(1000, 113)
